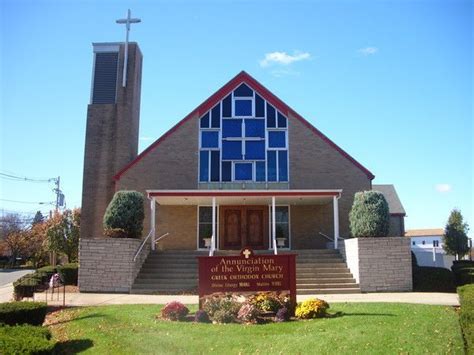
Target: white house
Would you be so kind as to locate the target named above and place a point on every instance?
(427, 244)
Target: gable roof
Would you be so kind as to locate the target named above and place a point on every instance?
(220, 94)
(394, 204)
(434, 232)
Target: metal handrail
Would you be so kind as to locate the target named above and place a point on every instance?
(161, 237)
(331, 239)
(145, 240)
(213, 245)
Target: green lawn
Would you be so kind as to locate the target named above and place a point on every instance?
(377, 328)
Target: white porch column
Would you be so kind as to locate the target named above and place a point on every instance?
(275, 248)
(213, 239)
(336, 219)
(152, 223)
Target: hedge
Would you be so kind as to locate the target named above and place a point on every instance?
(25, 286)
(68, 273)
(25, 339)
(466, 316)
(33, 313)
(433, 279)
(463, 272)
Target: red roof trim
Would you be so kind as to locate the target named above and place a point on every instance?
(244, 193)
(267, 95)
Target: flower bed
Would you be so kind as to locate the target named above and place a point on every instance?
(263, 307)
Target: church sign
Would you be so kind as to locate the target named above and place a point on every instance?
(247, 272)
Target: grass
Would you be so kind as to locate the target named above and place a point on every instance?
(376, 328)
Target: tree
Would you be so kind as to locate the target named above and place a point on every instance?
(455, 241)
(39, 218)
(63, 233)
(369, 216)
(9, 223)
(125, 213)
(36, 250)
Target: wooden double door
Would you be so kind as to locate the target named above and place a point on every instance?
(243, 226)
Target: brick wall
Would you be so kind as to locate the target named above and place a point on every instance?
(307, 221)
(106, 264)
(379, 264)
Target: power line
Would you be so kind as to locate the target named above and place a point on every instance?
(29, 202)
(24, 178)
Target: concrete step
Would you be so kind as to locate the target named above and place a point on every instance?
(161, 281)
(315, 266)
(326, 285)
(327, 291)
(324, 280)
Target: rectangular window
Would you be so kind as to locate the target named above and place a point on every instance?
(260, 171)
(227, 106)
(282, 166)
(255, 150)
(209, 139)
(215, 164)
(271, 165)
(281, 121)
(204, 166)
(255, 128)
(231, 128)
(205, 225)
(243, 108)
(276, 139)
(282, 224)
(226, 171)
(232, 150)
(216, 116)
(243, 171)
(259, 106)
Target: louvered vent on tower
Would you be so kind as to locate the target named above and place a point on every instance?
(104, 86)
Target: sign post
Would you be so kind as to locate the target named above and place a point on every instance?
(246, 273)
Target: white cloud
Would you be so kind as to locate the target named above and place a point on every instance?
(368, 50)
(283, 58)
(443, 188)
(145, 138)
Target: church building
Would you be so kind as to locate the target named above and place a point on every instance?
(243, 169)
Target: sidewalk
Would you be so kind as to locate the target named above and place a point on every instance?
(97, 299)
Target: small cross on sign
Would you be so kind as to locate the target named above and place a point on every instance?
(247, 253)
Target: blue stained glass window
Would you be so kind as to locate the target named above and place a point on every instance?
(226, 171)
(243, 171)
(260, 170)
(227, 106)
(205, 121)
(243, 107)
(282, 165)
(216, 116)
(255, 150)
(281, 120)
(232, 150)
(271, 122)
(204, 166)
(276, 139)
(271, 165)
(215, 165)
(231, 128)
(209, 139)
(259, 106)
(243, 90)
(255, 128)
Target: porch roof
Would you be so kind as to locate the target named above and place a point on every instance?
(243, 197)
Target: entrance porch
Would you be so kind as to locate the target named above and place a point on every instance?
(219, 220)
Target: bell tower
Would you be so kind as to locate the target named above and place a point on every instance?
(112, 127)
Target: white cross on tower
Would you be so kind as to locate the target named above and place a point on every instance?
(127, 21)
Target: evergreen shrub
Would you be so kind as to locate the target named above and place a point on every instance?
(26, 285)
(466, 317)
(12, 313)
(433, 279)
(25, 339)
(369, 216)
(68, 273)
(125, 212)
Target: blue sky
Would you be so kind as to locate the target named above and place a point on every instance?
(388, 81)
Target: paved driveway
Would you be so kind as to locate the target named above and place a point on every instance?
(11, 275)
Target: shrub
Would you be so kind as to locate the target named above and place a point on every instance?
(463, 271)
(369, 216)
(269, 301)
(414, 261)
(433, 279)
(68, 273)
(174, 311)
(311, 308)
(248, 313)
(25, 286)
(201, 317)
(466, 318)
(115, 233)
(282, 315)
(126, 212)
(221, 308)
(25, 339)
(45, 273)
(33, 313)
